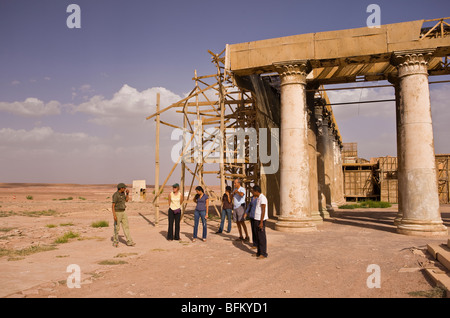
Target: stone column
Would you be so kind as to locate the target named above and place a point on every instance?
(295, 205)
(394, 80)
(313, 154)
(334, 162)
(338, 184)
(418, 189)
(324, 161)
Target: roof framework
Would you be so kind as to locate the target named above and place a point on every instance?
(345, 56)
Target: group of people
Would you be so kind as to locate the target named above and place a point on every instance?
(233, 207)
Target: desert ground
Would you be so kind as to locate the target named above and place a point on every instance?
(330, 262)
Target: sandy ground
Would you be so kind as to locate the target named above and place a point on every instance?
(330, 262)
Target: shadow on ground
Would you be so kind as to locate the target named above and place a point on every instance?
(377, 220)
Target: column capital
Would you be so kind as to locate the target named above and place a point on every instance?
(412, 62)
(293, 72)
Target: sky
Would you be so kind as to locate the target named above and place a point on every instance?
(73, 101)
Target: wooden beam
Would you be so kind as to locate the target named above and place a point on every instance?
(177, 104)
(363, 102)
(156, 204)
(168, 107)
(167, 124)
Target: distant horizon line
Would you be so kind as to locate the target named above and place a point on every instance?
(5, 184)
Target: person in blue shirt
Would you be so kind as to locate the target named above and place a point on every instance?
(251, 214)
(201, 211)
(239, 210)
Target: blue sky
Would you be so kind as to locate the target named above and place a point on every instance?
(64, 115)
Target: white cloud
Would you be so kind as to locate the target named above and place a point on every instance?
(12, 136)
(31, 107)
(122, 138)
(15, 82)
(42, 154)
(40, 138)
(126, 104)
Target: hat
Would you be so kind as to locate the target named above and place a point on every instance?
(121, 185)
(176, 185)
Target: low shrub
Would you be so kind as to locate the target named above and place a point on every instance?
(366, 204)
(65, 238)
(100, 224)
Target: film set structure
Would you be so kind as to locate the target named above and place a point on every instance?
(264, 117)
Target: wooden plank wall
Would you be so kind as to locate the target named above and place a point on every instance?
(358, 180)
(381, 178)
(388, 179)
(442, 171)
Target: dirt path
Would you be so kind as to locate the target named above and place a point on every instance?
(331, 262)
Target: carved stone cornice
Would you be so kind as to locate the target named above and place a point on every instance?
(293, 72)
(412, 62)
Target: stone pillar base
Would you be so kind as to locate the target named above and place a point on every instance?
(289, 224)
(325, 214)
(316, 217)
(421, 228)
(398, 219)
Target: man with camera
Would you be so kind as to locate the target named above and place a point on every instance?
(120, 217)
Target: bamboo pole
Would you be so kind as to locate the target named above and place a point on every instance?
(183, 166)
(177, 104)
(158, 97)
(448, 178)
(222, 136)
(200, 140)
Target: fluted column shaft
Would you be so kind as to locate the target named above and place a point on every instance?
(295, 205)
(418, 189)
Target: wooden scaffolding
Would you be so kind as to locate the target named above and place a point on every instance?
(212, 111)
(443, 177)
